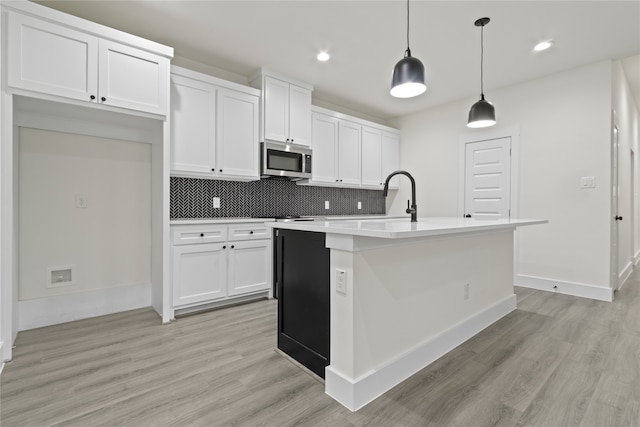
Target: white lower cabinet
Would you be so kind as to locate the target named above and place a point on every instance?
(199, 273)
(248, 267)
(214, 263)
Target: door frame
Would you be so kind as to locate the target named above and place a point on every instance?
(614, 250)
(484, 135)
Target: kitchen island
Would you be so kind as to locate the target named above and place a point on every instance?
(403, 294)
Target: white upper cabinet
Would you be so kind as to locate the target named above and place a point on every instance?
(300, 115)
(371, 157)
(237, 136)
(193, 126)
(132, 78)
(214, 127)
(349, 152)
(380, 157)
(390, 157)
(286, 110)
(325, 144)
(55, 60)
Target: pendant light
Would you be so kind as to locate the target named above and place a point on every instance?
(408, 74)
(482, 113)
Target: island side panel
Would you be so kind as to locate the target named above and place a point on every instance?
(404, 304)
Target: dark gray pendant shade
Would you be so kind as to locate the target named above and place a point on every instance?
(482, 114)
(408, 77)
(408, 74)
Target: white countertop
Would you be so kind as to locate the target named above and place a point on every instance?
(401, 228)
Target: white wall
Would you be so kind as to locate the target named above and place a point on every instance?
(109, 240)
(627, 121)
(564, 124)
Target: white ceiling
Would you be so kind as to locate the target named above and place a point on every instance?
(366, 39)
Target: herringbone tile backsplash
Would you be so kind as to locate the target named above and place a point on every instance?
(193, 198)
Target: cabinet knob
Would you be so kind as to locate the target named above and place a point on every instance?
(467, 216)
(220, 170)
(213, 169)
(92, 97)
(103, 99)
(201, 234)
(618, 218)
(340, 180)
(224, 247)
(251, 232)
(232, 246)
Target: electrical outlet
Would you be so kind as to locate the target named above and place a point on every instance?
(326, 204)
(359, 205)
(81, 201)
(466, 291)
(341, 281)
(216, 202)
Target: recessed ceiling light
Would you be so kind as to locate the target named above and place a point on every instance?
(543, 46)
(323, 56)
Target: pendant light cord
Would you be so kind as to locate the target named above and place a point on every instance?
(482, 60)
(408, 50)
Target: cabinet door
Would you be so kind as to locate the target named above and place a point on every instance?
(249, 266)
(300, 115)
(276, 109)
(390, 157)
(193, 118)
(199, 273)
(325, 143)
(132, 78)
(349, 157)
(372, 157)
(237, 141)
(51, 59)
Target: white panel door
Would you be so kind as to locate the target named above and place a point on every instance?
(349, 153)
(132, 78)
(237, 136)
(48, 58)
(371, 157)
(276, 110)
(300, 115)
(193, 118)
(199, 273)
(488, 178)
(249, 266)
(615, 261)
(325, 143)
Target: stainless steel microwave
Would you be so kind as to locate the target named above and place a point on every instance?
(290, 160)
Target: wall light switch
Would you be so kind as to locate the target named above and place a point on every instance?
(359, 205)
(326, 204)
(216, 202)
(588, 182)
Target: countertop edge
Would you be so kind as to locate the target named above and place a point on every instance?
(468, 226)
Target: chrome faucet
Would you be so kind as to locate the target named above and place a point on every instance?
(413, 210)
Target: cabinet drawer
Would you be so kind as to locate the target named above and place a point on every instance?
(249, 231)
(193, 234)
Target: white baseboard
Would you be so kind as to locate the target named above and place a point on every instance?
(39, 312)
(354, 394)
(636, 258)
(624, 275)
(600, 293)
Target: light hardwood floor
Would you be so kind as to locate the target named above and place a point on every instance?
(555, 361)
